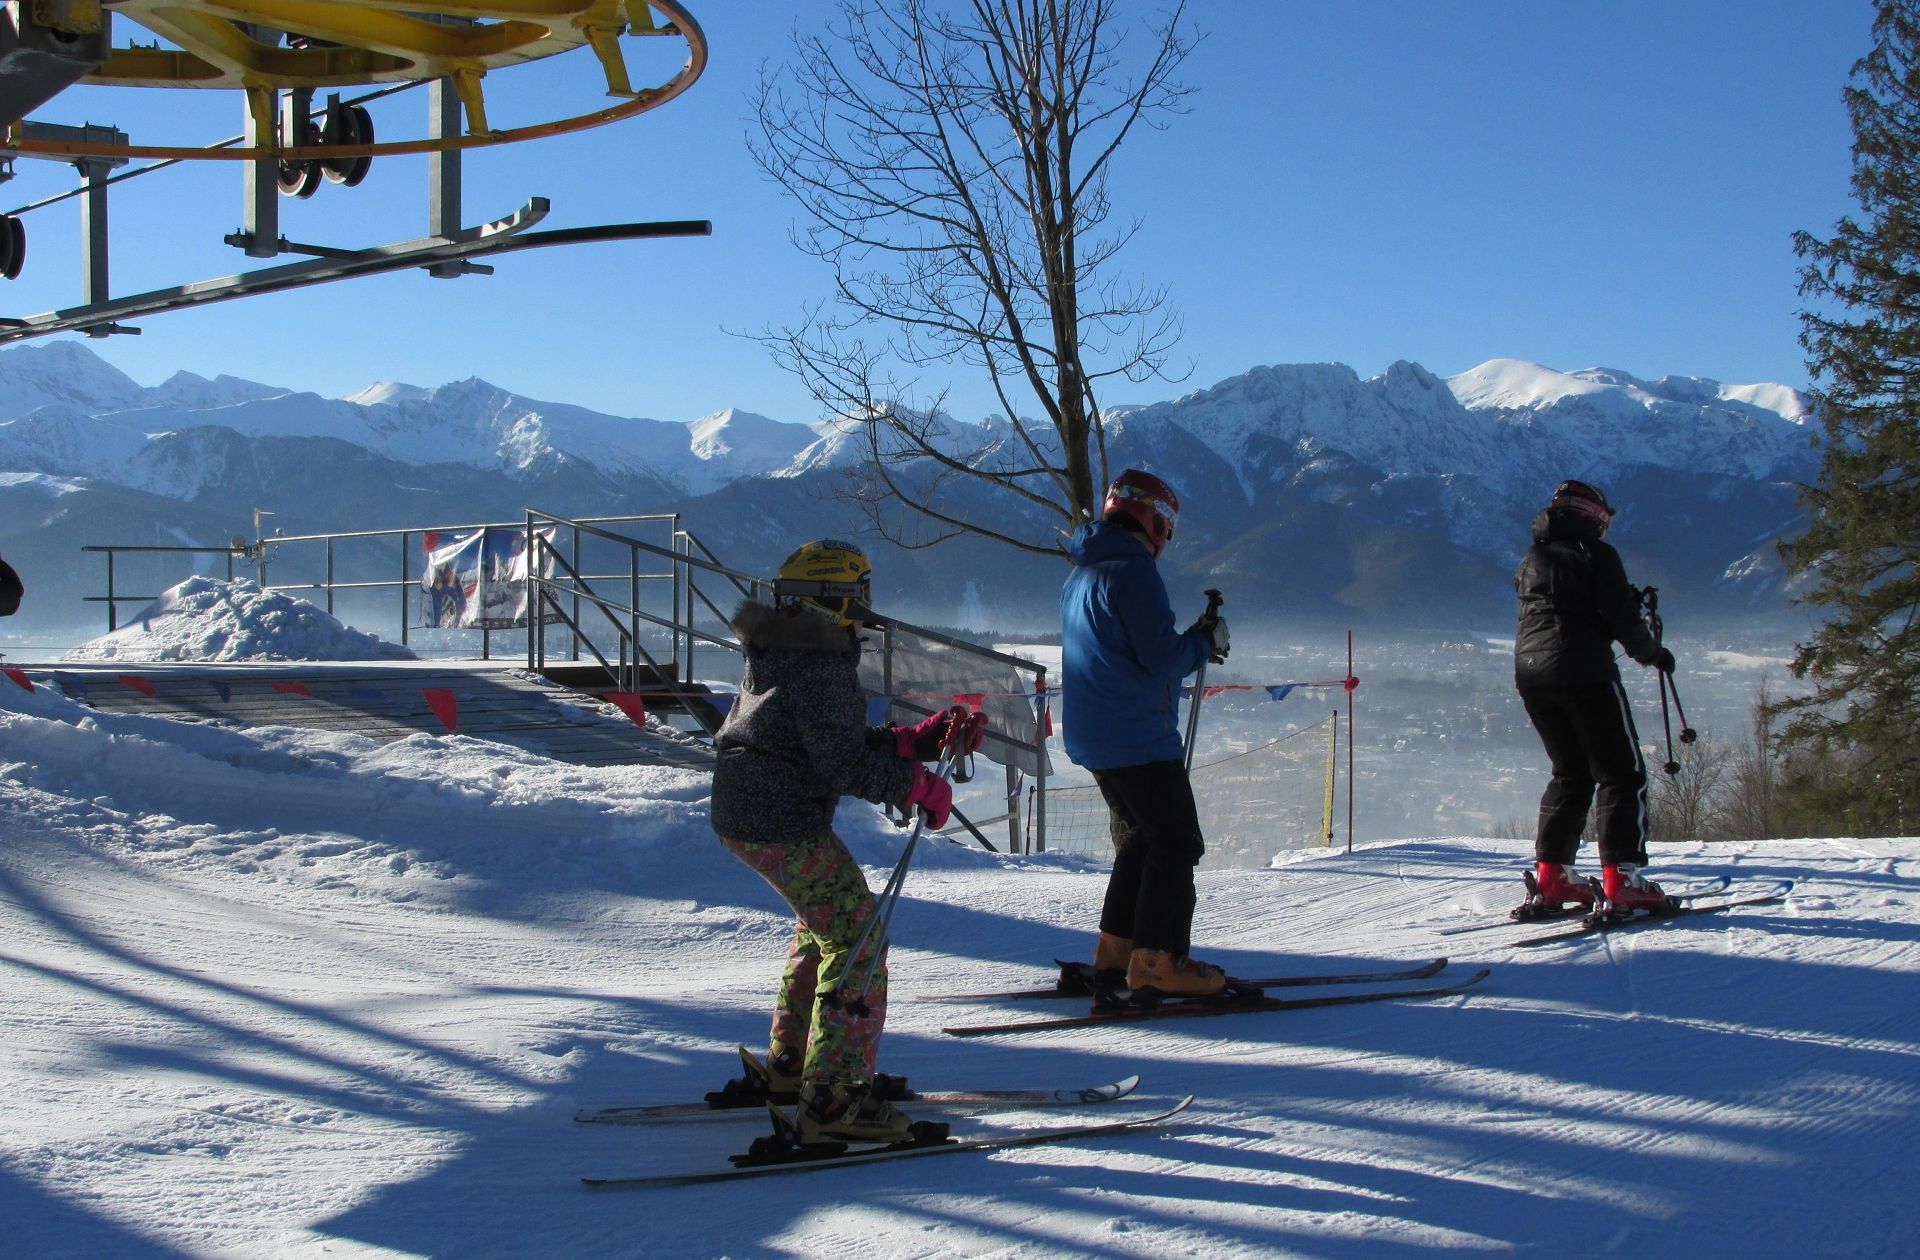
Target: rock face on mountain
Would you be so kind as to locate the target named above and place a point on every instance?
(1311, 493)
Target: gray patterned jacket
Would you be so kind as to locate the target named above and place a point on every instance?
(797, 738)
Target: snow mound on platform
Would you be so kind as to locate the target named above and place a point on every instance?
(205, 619)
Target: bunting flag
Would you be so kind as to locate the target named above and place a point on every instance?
(20, 676)
(293, 688)
(225, 689)
(372, 694)
(877, 707)
(72, 686)
(444, 707)
(135, 682)
(629, 703)
(722, 701)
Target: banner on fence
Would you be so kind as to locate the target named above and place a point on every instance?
(477, 580)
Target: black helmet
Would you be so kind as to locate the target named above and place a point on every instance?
(1584, 499)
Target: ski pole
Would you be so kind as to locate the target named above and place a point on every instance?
(1200, 680)
(878, 923)
(1672, 767)
(1687, 733)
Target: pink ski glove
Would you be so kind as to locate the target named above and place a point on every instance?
(924, 742)
(934, 796)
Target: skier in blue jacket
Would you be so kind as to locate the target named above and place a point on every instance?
(1122, 662)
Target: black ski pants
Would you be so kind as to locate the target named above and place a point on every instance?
(1156, 844)
(1595, 752)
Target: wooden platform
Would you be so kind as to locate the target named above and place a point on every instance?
(381, 700)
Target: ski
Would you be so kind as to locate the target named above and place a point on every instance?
(958, 1100)
(834, 1156)
(1690, 892)
(1081, 974)
(1194, 1008)
(1591, 926)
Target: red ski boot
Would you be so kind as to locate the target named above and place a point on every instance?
(1628, 891)
(1554, 890)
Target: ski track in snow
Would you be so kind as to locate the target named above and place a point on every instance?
(273, 993)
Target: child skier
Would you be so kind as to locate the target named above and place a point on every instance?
(795, 741)
(1575, 603)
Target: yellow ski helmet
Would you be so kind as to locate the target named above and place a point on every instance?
(831, 575)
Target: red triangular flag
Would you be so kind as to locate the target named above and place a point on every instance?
(444, 706)
(138, 683)
(20, 676)
(629, 703)
(293, 688)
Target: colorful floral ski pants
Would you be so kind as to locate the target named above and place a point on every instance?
(828, 893)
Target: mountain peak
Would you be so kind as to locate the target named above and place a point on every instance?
(387, 392)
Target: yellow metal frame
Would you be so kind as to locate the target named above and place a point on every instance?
(346, 43)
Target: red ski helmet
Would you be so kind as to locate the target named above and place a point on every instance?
(1147, 501)
(1584, 499)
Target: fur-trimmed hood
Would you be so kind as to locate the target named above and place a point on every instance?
(790, 629)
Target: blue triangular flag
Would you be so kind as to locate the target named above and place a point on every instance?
(1280, 692)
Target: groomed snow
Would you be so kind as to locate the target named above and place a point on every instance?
(282, 993)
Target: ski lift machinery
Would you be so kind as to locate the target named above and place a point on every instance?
(277, 55)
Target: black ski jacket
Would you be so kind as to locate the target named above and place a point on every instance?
(10, 590)
(1575, 603)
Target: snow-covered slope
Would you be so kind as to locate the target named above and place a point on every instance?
(284, 993)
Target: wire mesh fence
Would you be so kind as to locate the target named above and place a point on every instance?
(1254, 801)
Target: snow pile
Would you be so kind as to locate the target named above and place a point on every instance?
(205, 619)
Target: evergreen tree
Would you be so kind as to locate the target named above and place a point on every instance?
(1862, 335)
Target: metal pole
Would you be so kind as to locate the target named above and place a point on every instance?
(406, 580)
(1349, 684)
(1200, 682)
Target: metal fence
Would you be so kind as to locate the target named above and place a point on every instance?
(640, 605)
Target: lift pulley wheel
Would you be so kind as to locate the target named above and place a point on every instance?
(13, 246)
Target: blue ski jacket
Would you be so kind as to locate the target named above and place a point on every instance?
(1121, 659)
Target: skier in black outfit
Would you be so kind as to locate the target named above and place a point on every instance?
(11, 590)
(1575, 604)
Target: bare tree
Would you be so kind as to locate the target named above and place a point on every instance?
(1750, 811)
(951, 159)
(1685, 806)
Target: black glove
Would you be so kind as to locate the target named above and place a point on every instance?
(1662, 661)
(1218, 641)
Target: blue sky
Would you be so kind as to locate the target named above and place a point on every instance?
(1577, 185)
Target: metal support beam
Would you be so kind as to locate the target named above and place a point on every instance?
(259, 233)
(504, 236)
(39, 59)
(93, 232)
(444, 118)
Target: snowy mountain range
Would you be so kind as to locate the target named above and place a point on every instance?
(1316, 492)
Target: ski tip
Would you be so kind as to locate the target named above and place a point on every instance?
(1127, 1084)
